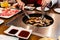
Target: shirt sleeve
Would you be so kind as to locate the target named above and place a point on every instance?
(54, 2)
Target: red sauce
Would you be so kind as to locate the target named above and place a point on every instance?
(24, 33)
(13, 31)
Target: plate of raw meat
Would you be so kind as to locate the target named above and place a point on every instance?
(7, 12)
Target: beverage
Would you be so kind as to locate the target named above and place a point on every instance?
(4, 4)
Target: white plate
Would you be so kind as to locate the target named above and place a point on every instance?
(57, 10)
(5, 37)
(10, 15)
(39, 8)
(17, 33)
(28, 7)
(1, 21)
(1, 10)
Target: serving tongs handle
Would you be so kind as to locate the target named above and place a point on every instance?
(26, 13)
(43, 12)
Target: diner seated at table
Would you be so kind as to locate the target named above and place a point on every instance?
(22, 3)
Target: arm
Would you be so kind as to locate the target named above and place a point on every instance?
(11, 1)
(45, 2)
(18, 1)
(20, 4)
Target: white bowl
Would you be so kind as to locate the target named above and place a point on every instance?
(57, 10)
(28, 7)
(39, 8)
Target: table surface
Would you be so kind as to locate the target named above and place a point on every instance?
(3, 26)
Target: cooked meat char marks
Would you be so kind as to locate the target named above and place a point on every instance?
(37, 21)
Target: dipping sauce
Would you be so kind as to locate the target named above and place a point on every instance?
(13, 31)
(24, 33)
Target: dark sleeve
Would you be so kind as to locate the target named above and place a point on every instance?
(39, 2)
(29, 1)
(36, 2)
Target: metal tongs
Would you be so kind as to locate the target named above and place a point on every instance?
(26, 13)
(43, 12)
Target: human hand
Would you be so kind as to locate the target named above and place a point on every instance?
(45, 2)
(21, 5)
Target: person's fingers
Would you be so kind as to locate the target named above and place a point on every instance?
(14, 5)
(48, 1)
(21, 5)
(44, 3)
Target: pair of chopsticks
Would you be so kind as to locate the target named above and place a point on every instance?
(26, 13)
(43, 12)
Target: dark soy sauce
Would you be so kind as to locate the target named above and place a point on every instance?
(13, 31)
